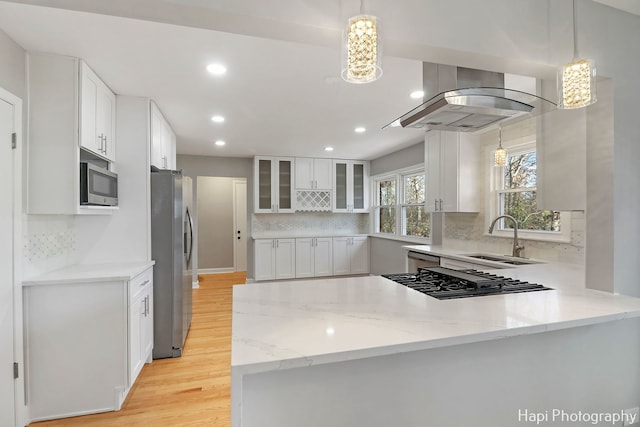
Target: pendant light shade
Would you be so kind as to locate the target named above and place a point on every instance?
(362, 49)
(577, 79)
(500, 155)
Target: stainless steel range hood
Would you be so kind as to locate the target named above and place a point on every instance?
(470, 109)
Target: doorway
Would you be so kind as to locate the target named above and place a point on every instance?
(221, 224)
(12, 406)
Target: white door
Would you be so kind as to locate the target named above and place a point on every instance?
(341, 255)
(323, 261)
(240, 224)
(264, 259)
(359, 255)
(304, 257)
(323, 174)
(285, 258)
(7, 383)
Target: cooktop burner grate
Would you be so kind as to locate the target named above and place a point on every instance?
(445, 283)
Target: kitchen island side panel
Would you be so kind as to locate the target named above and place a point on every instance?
(591, 369)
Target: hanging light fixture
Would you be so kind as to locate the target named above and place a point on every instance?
(362, 49)
(577, 79)
(500, 155)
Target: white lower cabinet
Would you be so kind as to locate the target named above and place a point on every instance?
(350, 255)
(85, 343)
(314, 257)
(140, 324)
(274, 259)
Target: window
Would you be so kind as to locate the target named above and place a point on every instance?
(399, 204)
(386, 209)
(515, 195)
(415, 220)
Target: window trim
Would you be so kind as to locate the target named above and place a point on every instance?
(398, 175)
(376, 203)
(495, 177)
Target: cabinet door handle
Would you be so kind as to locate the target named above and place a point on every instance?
(148, 305)
(277, 244)
(441, 205)
(144, 283)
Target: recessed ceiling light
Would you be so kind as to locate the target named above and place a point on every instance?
(220, 143)
(328, 148)
(417, 94)
(359, 129)
(216, 69)
(217, 119)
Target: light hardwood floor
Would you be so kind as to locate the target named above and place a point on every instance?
(193, 390)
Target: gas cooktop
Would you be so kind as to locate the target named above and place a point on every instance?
(445, 283)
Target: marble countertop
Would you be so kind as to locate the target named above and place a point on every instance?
(461, 256)
(79, 273)
(302, 235)
(307, 322)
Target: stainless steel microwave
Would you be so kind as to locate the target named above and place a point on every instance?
(98, 186)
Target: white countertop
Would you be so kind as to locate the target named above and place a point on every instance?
(303, 234)
(307, 322)
(90, 273)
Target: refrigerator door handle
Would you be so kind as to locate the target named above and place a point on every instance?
(190, 252)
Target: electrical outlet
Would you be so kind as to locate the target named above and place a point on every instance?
(631, 416)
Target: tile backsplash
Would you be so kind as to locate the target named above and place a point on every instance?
(467, 232)
(49, 243)
(314, 222)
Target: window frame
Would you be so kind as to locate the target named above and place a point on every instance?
(377, 205)
(399, 176)
(496, 188)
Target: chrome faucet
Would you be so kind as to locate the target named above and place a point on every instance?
(517, 249)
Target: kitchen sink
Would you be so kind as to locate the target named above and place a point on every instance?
(503, 259)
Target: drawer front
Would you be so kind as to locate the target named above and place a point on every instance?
(140, 282)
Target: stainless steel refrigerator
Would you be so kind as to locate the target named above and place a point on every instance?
(171, 249)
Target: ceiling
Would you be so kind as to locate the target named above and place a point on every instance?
(282, 94)
(278, 97)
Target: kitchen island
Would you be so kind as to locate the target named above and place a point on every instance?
(365, 351)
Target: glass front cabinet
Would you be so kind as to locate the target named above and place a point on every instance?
(350, 190)
(274, 187)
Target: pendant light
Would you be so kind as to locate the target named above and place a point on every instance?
(500, 155)
(577, 79)
(362, 49)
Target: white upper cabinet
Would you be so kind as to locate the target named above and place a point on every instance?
(452, 162)
(97, 115)
(273, 185)
(71, 118)
(314, 174)
(350, 186)
(163, 141)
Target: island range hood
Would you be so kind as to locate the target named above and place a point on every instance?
(467, 105)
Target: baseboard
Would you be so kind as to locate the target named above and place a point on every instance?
(216, 270)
